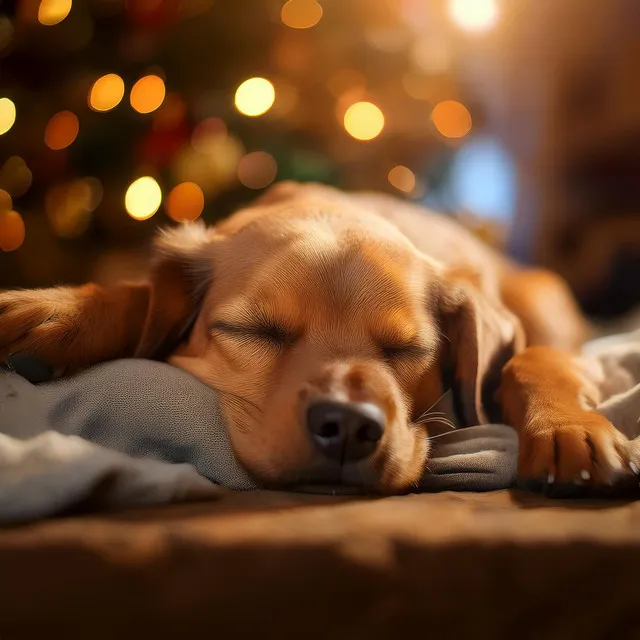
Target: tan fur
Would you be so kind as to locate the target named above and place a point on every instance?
(336, 278)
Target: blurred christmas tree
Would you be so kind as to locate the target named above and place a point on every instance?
(189, 107)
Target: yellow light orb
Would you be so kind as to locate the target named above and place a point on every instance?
(143, 198)
(185, 202)
(12, 230)
(147, 94)
(257, 170)
(452, 119)
(474, 15)
(52, 12)
(7, 115)
(363, 121)
(106, 92)
(254, 97)
(61, 130)
(301, 14)
(402, 178)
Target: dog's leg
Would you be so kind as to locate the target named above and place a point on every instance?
(546, 308)
(71, 328)
(565, 444)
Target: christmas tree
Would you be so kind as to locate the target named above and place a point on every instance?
(118, 117)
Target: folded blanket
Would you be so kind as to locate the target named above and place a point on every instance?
(135, 432)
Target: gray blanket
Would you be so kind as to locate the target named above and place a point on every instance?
(136, 432)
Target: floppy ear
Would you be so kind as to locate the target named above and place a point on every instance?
(180, 273)
(482, 337)
(72, 328)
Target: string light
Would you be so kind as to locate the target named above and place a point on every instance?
(7, 115)
(452, 119)
(364, 121)
(474, 15)
(52, 12)
(147, 94)
(254, 97)
(143, 198)
(402, 178)
(12, 230)
(61, 130)
(106, 92)
(301, 14)
(257, 170)
(185, 202)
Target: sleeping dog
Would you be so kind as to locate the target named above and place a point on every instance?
(331, 324)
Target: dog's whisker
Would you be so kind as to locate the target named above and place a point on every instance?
(441, 420)
(424, 413)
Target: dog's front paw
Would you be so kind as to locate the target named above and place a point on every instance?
(574, 455)
(30, 319)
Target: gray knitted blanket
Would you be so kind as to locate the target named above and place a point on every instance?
(136, 432)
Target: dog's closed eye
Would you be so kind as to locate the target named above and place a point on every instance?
(392, 352)
(269, 332)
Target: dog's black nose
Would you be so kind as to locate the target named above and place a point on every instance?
(345, 431)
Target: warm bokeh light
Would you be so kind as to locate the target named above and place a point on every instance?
(61, 130)
(15, 176)
(143, 198)
(7, 115)
(12, 230)
(207, 133)
(452, 119)
(52, 12)
(147, 94)
(257, 170)
(5, 200)
(301, 14)
(255, 96)
(474, 15)
(69, 206)
(363, 121)
(106, 92)
(185, 202)
(402, 178)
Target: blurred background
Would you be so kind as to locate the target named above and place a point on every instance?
(519, 117)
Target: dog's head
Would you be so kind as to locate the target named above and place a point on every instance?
(327, 336)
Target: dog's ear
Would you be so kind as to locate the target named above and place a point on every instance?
(481, 337)
(72, 328)
(180, 274)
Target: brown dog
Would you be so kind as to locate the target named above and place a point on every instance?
(331, 324)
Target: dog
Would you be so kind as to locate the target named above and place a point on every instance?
(331, 324)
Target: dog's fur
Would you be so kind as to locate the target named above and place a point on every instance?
(311, 292)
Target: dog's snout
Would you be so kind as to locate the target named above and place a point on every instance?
(345, 431)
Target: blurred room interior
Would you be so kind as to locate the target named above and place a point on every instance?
(520, 117)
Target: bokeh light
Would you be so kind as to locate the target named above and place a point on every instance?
(7, 115)
(62, 129)
(52, 12)
(363, 121)
(257, 170)
(474, 15)
(12, 230)
(143, 198)
(5, 200)
(254, 97)
(15, 176)
(452, 119)
(147, 94)
(106, 92)
(301, 14)
(69, 206)
(185, 202)
(402, 178)
(207, 133)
